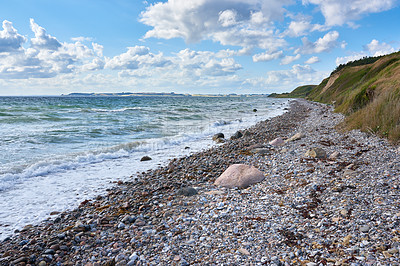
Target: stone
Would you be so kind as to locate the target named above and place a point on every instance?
(393, 251)
(334, 155)
(295, 137)
(109, 263)
(121, 225)
(55, 247)
(346, 240)
(244, 251)
(134, 257)
(128, 219)
(220, 140)
(240, 176)
(42, 263)
(349, 173)
(139, 222)
(49, 251)
(277, 142)
(145, 158)
(237, 135)
(365, 228)
(218, 136)
(386, 254)
(187, 191)
(318, 153)
(20, 260)
(261, 151)
(26, 228)
(247, 133)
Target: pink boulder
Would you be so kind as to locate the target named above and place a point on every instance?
(277, 142)
(239, 175)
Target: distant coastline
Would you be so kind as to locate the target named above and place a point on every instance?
(157, 94)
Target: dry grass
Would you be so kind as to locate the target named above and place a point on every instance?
(381, 116)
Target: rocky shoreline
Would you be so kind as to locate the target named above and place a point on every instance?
(342, 209)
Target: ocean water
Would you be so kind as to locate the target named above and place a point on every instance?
(59, 151)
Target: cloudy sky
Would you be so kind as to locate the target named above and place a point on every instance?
(52, 47)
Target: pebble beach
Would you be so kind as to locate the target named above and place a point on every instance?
(328, 198)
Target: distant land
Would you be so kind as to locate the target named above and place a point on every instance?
(299, 92)
(157, 94)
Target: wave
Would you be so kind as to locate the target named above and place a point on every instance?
(116, 110)
(5, 114)
(69, 162)
(221, 123)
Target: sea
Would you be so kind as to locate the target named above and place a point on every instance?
(56, 152)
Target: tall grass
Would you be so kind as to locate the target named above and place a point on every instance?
(381, 116)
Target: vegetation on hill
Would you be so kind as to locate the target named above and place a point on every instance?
(299, 92)
(360, 62)
(367, 91)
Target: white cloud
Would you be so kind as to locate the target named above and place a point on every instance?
(290, 59)
(287, 80)
(81, 39)
(96, 64)
(302, 26)
(227, 18)
(298, 28)
(98, 49)
(10, 40)
(376, 48)
(250, 39)
(136, 57)
(345, 59)
(46, 57)
(257, 18)
(296, 73)
(264, 57)
(199, 63)
(242, 23)
(43, 40)
(340, 12)
(312, 60)
(324, 44)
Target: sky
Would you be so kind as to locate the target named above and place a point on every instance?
(58, 47)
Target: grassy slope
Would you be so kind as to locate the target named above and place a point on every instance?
(368, 94)
(299, 92)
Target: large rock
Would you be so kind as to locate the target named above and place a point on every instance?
(145, 158)
(261, 151)
(237, 135)
(316, 153)
(187, 191)
(219, 138)
(277, 142)
(239, 175)
(296, 136)
(218, 135)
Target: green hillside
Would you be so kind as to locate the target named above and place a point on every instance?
(299, 92)
(367, 91)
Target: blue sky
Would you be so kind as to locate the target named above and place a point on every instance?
(198, 46)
